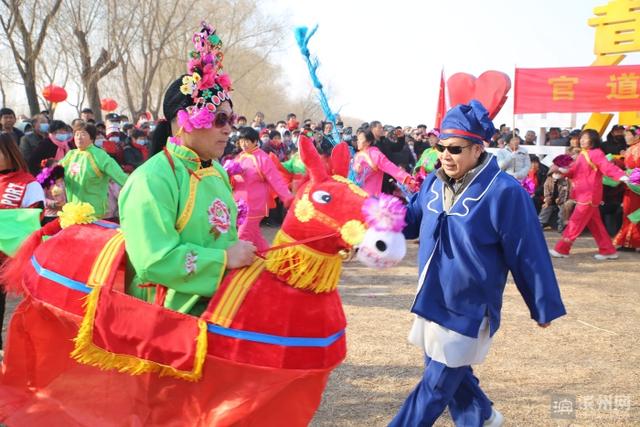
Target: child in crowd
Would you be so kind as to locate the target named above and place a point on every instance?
(51, 177)
(556, 193)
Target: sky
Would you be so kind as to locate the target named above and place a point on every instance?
(381, 60)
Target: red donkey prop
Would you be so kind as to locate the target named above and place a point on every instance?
(81, 352)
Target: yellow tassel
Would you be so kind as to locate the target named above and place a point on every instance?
(303, 267)
(86, 352)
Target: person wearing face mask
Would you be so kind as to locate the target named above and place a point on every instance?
(264, 137)
(115, 140)
(55, 145)
(87, 171)
(100, 138)
(30, 143)
(136, 152)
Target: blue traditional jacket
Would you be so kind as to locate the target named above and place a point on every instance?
(491, 229)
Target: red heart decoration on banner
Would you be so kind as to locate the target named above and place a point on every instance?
(490, 88)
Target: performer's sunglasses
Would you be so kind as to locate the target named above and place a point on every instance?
(453, 149)
(222, 119)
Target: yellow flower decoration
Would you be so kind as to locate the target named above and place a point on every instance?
(195, 77)
(352, 186)
(186, 80)
(304, 210)
(352, 232)
(76, 213)
(185, 89)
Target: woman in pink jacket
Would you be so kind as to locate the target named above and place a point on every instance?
(370, 166)
(586, 179)
(254, 183)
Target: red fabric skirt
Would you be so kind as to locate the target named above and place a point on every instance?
(41, 385)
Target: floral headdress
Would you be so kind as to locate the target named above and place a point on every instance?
(206, 82)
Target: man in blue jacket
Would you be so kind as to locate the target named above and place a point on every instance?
(476, 224)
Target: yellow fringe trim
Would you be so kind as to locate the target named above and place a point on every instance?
(303, 267)
(86, 352)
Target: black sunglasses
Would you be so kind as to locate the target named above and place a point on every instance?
(453, 149)
(222, 119)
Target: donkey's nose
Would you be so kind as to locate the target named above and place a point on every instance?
(381, 249)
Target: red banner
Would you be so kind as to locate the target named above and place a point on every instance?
(577, 89)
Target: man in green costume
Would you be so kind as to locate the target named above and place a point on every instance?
(177, 210)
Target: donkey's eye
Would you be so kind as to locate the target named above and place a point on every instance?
(321, 197)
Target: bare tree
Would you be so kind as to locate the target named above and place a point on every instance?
(88, 23)
(19, 19)
(159, 24)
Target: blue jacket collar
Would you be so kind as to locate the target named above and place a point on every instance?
(485, 176)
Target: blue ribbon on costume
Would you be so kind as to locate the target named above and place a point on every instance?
(214, 329)
(275, 339)
(107, 224)
(59, 278)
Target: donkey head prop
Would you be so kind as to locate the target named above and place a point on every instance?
(331, 214)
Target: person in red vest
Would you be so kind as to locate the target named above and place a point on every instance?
(18, 189)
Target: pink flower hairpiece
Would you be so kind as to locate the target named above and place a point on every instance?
(195, 118)
(384, 213)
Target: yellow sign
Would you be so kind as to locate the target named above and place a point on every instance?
(617, 26)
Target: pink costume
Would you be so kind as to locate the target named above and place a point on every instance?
(254, 185)
(371, 165)
(586, 178)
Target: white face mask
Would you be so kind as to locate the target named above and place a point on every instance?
(264, 139)
(99, 142)
(556, 175)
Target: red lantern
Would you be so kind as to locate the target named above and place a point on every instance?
(54, 94)
(108, 104)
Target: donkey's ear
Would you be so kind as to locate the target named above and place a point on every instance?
(340, 158)
(311, 159)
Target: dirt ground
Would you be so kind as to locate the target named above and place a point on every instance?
(588, 359)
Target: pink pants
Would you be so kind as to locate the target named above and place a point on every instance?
(585, 216)
(250, 231)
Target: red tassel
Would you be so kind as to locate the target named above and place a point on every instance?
(12, 271)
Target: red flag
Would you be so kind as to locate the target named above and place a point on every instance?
(442, 108)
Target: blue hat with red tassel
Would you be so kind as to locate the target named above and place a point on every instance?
(469, 121)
